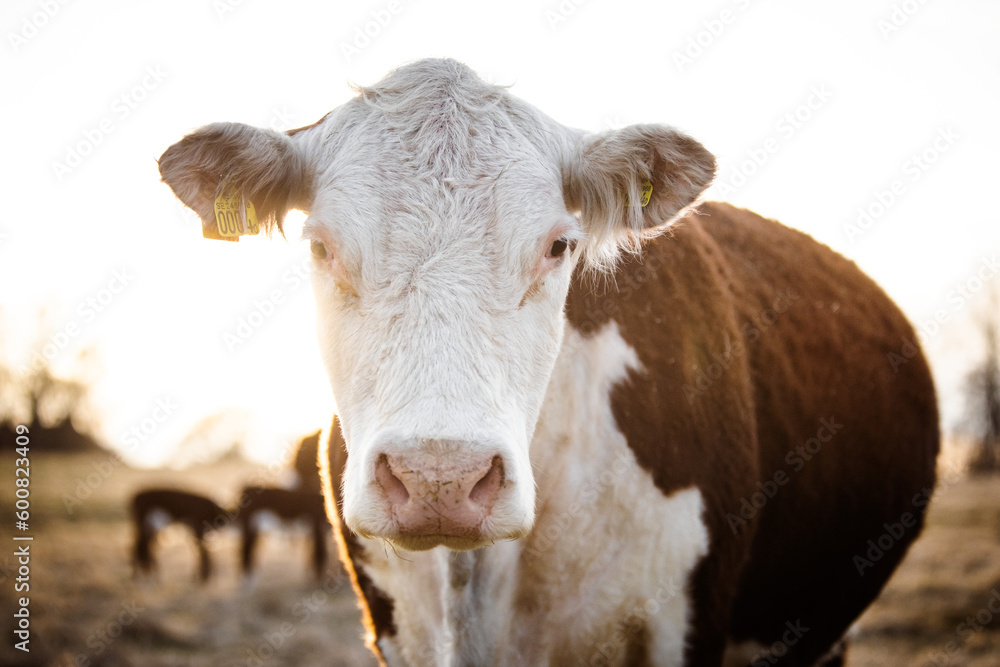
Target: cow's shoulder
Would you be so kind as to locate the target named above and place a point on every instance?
(686, 409)
(673, 304)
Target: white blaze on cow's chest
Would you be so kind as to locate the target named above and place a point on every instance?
(610, 556)
(606, 567)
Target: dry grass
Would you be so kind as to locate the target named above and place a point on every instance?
(949, 575)
(81, 585)
(86, 609)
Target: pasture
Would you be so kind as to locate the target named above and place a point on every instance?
(87, 610)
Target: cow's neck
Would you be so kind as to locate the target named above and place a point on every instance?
(478, 601)
(575, 585)
(538, 599)
(494, 593)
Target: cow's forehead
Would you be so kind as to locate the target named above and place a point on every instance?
(440, 136)
(385, 224)
(434, 162)
(378, 196)
(522, 194)
(441, 121)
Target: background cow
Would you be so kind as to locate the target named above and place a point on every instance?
(154, 509)
(293, 505)
(684, 457)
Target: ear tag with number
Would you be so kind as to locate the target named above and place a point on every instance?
(235, 217)
(646, 191)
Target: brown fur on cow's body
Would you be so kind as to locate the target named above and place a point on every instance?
(706, 294)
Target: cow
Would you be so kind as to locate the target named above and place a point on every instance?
(154, 509)
(302, 502)
(582, 417)
(306, 464)
(305, 505)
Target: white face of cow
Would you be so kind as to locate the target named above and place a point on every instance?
(440, 316)
(445, 219)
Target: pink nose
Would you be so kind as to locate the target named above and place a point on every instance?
(439, 499)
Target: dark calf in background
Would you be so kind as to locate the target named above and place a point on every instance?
(288, 505)
(198, 513)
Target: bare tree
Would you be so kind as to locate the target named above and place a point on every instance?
(983, 397)
(56, 409)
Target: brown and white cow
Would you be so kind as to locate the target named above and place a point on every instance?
(152, 510)
(552, 452)
(298, 505)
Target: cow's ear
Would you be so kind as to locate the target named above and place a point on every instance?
(261, 166)
(638, 178)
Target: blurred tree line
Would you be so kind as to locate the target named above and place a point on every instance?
(983, 395)
(55, 409)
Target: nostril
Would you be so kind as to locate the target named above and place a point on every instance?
(394, 489)
(488, 487)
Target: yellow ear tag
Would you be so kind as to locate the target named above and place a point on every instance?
(235, 217)
(647, 192)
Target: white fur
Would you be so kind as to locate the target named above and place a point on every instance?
(433, 320)
(612, 554)
(607, 563)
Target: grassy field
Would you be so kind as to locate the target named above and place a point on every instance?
(935, 610)
(86, 609)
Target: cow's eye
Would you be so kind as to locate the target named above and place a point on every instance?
(558, 248)
(318, 250)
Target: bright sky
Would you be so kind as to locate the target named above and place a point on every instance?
(814, 110)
